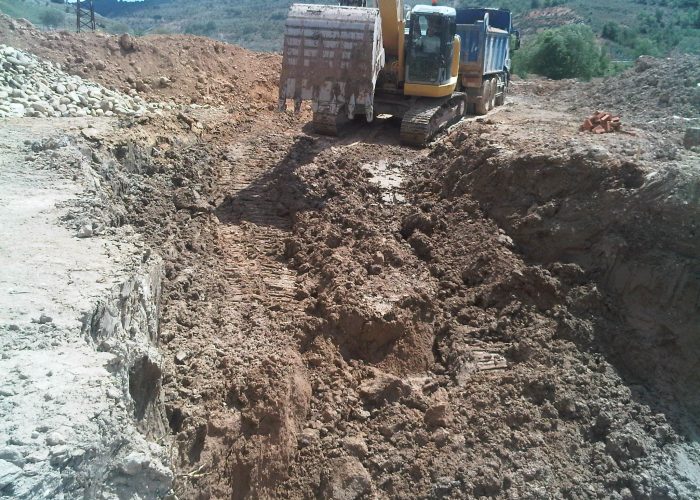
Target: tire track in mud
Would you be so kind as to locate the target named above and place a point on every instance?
(251, 233)
(234, 313)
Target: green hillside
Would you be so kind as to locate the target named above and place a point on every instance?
(37, 12)
(53, 15)
(627, 27)
(255, 24)
(631, 27)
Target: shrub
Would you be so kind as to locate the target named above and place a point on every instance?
(52, 18)
(205, 29)
(566, 52)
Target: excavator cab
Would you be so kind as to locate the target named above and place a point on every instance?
(430, 44)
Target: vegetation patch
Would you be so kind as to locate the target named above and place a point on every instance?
(566, 52)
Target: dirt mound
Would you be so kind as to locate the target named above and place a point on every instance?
(185, 69)
(655, 94)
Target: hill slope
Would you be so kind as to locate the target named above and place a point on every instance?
(632, 27)
(628, 27)
(254, 24)
(53, 15)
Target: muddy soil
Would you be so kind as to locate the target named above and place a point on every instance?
(508, 313)
(351, 318)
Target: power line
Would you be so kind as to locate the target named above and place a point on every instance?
(85, 12)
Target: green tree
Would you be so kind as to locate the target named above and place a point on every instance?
(567, 52)
(52, 18)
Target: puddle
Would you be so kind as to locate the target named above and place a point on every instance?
(389, 177)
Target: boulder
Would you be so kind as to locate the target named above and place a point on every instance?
(346, 479)
(126, 43)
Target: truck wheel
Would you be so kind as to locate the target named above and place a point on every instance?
(481, 106)
(494, 88)
(501, 98)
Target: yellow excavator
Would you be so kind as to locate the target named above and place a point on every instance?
(355, 61)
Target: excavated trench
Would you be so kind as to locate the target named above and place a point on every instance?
(511, 313)
(348, 319)
(632, 228)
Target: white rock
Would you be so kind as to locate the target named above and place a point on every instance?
(17, 109)
(134, 463)
(7, 391)
(55, 438)
(16, 61)
(41, 107)
(12, 455)
(38, 456)
(85, 231)
(9, 473)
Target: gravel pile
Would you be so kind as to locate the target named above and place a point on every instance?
(33, 87)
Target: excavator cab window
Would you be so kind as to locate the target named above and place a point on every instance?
(429, 48)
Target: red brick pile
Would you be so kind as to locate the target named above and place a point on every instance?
(601, 123)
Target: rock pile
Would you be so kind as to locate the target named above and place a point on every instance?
(33, 87)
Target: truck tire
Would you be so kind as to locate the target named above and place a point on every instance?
(481, 105)
(501, 97)
(494, 88)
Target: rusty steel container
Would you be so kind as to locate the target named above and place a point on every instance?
(332, 57)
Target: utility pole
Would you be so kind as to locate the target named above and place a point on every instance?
(85, 12)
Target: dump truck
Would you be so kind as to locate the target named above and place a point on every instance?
(354, 62)
(484, 61)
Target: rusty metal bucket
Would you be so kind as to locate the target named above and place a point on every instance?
(332, 57)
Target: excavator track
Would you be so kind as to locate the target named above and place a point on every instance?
(427, 117)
